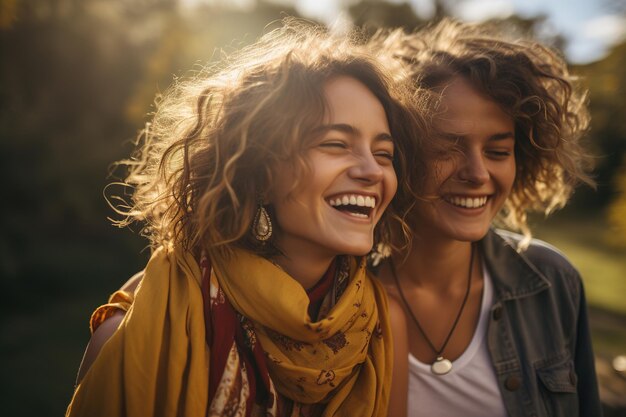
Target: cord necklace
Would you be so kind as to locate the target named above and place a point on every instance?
(441, 366)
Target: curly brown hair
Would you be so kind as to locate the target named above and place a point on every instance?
(530, 82)
(214, 140)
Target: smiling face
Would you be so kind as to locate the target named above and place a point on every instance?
(469, 184)
(351, 181)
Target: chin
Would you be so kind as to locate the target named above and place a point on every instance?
(356, 250)
(473, 236)
(468, 234)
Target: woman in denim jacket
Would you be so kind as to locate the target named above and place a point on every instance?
(492, 323)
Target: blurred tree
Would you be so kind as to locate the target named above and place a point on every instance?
(193, 38)
(372, 14)
(617, 210)
(607, 89)
(8, 13)
(614, 85)
(65, 72)
(77, 78)
(531, 27)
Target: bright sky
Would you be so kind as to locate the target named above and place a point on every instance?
(588, 25)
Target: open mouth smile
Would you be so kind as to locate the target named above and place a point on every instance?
(467, 202)
(355, 205)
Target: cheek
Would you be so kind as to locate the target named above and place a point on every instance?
(505, 181)
(281, 185)
(390, 185)
(281, 209)
(439, 172)
(509, 176)
(283, 199)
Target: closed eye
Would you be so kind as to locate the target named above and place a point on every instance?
(384, 154)
(499, 154)
(333, 144)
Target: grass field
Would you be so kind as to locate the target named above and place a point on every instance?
(585, 241)
(602, 265)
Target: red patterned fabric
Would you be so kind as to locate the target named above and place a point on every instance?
(227, 330)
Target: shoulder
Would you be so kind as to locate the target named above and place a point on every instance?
(399, 384)
(98, 339)
(393, 307)
(106, 320)
(539, 255)
(133, 282)
(396, 314)
(538, 252)
(539, 261)
(400, 337)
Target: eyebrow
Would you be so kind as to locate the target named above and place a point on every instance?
(496, 137)
(350, 130)
(502, 136)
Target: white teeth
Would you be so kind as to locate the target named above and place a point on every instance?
(354, 200)
(467, 202)
(360, 215)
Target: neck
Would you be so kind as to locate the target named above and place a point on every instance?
(306, 267)
(436, 264)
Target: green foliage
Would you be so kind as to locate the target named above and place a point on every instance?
(607, 89)
(372, 15)
(77, 80)
(602, 266)
(617, 210)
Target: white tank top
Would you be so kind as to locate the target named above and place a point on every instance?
(470, 389)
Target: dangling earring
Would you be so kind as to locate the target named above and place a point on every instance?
(262, 225)
(380, 252)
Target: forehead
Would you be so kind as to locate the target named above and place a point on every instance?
(348, 100)
(465, 108)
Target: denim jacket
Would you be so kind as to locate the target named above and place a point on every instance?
(538, 334)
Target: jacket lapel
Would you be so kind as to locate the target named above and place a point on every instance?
(513, 274)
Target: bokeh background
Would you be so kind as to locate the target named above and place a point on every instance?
(78, 79)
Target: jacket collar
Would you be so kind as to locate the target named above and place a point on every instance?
(513, 274)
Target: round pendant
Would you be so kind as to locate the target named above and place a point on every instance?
(441, 366)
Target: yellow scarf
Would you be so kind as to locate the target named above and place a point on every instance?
(157, 362)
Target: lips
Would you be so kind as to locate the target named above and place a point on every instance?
(357, 205)
(468, 202)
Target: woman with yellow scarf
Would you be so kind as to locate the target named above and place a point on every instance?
(262, 183)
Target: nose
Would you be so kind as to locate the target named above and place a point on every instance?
(366, 169)
(472, 168)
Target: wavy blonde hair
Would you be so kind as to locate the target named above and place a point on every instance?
(210, 149)
(530, 82)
